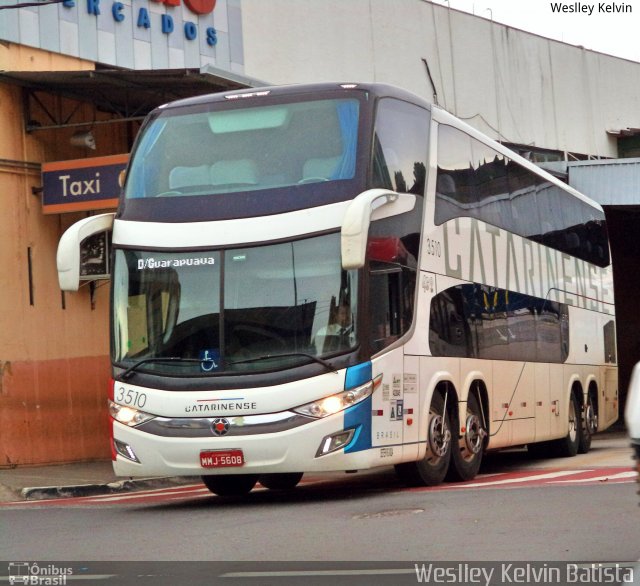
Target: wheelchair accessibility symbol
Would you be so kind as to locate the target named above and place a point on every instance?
(209, 360)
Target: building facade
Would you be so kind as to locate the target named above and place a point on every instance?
(515, 86)
(77, 77)
(63, 98)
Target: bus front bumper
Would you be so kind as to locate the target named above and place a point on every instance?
(330, 444)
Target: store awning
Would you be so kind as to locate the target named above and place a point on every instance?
(128, 94)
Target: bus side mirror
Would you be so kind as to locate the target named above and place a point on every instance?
(373, 204)
(68, 256)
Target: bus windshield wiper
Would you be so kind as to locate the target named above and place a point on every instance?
(126, 375)
(324, 363)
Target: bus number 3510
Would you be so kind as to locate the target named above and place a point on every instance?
(131, 397)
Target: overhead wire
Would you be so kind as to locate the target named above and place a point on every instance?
(31, 4)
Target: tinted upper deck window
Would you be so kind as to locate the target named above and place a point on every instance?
(219, 160)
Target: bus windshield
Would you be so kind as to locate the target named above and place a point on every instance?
(233, 311)
(215, 148)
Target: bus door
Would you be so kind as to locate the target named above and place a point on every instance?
(388, 322)
(610, 396)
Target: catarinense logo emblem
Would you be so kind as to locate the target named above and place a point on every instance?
(220, 426)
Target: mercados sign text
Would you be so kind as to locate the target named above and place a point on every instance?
(166, 23)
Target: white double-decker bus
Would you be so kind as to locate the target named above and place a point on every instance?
(337, 277)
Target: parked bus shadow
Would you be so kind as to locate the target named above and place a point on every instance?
(335, 486)
(313, 488)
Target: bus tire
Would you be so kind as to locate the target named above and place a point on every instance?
(432, 469)
(231, 484)
(589, 421)
(466, 454)
(567, 447)
(280, 481)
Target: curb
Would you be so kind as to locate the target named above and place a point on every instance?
(84, 490)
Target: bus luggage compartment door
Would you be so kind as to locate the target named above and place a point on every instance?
(610, 397)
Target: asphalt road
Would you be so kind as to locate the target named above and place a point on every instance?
(349, 529)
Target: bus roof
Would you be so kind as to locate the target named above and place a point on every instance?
(375, 89)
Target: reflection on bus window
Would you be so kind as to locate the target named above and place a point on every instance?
(195, 151)
(478, 321)
(392, 251)
(270, 307)
(400, 147)
(478, 182)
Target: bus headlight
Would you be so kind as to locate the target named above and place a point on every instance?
(335, 403)
(128, 415)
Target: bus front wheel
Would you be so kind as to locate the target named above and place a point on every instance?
(281, 481)
(230, 485)
(432, 469)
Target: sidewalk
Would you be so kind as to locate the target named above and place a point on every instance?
(74, 480)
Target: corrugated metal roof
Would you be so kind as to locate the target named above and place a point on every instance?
(609, 182)
(129, 92)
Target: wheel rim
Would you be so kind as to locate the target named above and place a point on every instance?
(473, 437)
(591, 418)
(573, 429)
(439, 436)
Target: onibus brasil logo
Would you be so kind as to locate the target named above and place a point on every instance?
(32, 573)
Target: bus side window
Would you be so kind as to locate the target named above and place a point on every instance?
(391, 290)
(451, 322)
(400, 147)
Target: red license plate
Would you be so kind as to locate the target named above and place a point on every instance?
(221, 458)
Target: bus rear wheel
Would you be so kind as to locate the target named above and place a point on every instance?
(567, 446)
(432, 469)
(282, 481)
(589, 425)
(466, 454)
(230, 485)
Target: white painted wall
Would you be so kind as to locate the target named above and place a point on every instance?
(510, 84)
